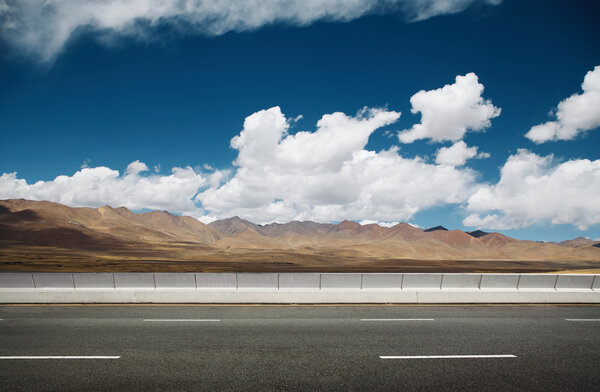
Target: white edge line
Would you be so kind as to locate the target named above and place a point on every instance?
(582, 319)
(62, 357)
(445, 356)
(399, 319)
(183, 320)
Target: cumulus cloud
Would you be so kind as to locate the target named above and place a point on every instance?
(535, 189)
(458, 154)
(97, 186)
(448, 112)
(323, 175)
(44, 28)
(380, 223)
(575, 115)
(327, 175)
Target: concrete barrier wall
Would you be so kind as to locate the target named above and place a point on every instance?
(574, 282)
(49, 287)
(132, 280)
(91, 280)
(341, 281)
(175, 281)
(422, 281)
(308, 281)
(225, 281)
(53, 280)
(537, 282)
(461, 281)
(499, 281)
(258, 281)
(16, 280)
(382, 281)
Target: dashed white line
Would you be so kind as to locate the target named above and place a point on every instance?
(582, 319)
(400, 319)
(183, 320)
(445, 356)
(61, 357)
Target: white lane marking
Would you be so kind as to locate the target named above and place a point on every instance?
(399, 319)
(582, 319)
(183, 320)
(444, 356)
(62, 357)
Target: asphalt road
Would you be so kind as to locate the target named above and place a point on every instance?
(312, 348)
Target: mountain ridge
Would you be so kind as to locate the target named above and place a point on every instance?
(38, 229)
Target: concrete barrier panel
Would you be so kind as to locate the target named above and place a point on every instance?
(537, 282)
(134, 280)
(421, 281)
(92, 280)
(258, 281)
(382, 281)
(16, 280)
(53, 280)
(499, 281)
(461, 281)
(341, 281)
(175, 281)
(300, 281)
(574, 282)
(216, 281)
(596, 285)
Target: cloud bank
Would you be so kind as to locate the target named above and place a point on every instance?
(44, 28)
(575, 115)
(448, 112)
(534, 189)
(323, 175)
(328, 175)
(98, 186)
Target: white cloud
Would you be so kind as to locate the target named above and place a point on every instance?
(43, 28)
(448, 112)
(534, 190)
(94, 187)
(327, 175)
(575, 115)
(457, 154)
(324, 175)
(425, 9)
(380, 223)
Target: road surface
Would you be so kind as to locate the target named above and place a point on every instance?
(312, 348)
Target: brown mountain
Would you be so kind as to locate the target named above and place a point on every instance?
(578, 242)
(39, 221)
(296, 227)
(234, 226)
(51, 236)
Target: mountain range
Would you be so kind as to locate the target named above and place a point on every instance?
(50, 236)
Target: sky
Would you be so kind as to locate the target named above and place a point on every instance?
(471, 114)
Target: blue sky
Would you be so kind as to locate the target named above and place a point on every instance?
(141, 87)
